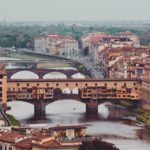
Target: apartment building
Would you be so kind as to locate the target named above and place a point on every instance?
(93, 43)
(54, 138)
(146, 89)
(3, 86)
(126, 62)
(57, 44)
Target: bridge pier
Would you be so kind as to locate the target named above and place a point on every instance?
(92, 107)
(39, 109)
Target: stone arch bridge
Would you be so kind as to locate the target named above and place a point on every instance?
(92, 92)
(41, 72)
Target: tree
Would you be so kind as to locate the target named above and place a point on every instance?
(97, 144)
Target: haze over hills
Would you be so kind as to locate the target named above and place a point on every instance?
(113, 23)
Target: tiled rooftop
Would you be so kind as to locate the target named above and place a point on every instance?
(11, 137)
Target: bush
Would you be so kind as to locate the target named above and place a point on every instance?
(82, 67)
(140, 111)
(126, 104)
(13, 121)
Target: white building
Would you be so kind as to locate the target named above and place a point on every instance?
(57, 44)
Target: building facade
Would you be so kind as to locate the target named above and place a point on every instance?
(56, 44)
(3, 86)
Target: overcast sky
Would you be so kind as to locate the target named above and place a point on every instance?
(47, 10)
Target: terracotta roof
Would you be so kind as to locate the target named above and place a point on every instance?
(25, 144)
(126, 33)
(40, 137)
(48, 144)
(11, 137)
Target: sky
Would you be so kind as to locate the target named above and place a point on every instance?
(59, 10)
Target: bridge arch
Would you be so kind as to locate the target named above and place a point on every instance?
(67, 90)
(66, 107)
(57, 92)
(24, 74)
(78, 76)
(55, 75)
(19, 109)
(76, 91)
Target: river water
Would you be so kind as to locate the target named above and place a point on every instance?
(126, 134)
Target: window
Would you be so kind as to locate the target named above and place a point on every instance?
(10, 147)
(37, 84)
(95, 84)
(27, 84)
(105, 84)
(66, 84)
(76, 84)
(86, 84)
(115, 84)
(47, 84)
(18, 84)
(125, 84)
(57, 84)
(0, 147)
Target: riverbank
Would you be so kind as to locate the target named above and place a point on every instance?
(13, 121)
(143, 116)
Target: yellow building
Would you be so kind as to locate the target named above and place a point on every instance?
(3, 86)
(70, 132)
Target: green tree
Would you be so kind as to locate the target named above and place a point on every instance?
(97, 144)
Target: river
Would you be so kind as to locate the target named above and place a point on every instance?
(125, 133)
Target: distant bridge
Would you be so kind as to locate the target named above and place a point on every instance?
(42, 72)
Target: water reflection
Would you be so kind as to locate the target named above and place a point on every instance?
(21, 110)
(144, 134)
(14, 65)
(130, 144)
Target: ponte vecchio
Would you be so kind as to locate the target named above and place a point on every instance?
(92, 92)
